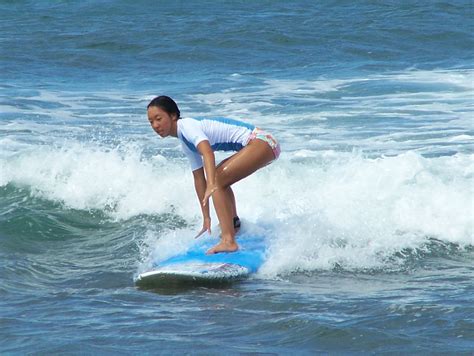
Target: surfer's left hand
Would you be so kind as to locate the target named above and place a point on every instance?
(206, 226)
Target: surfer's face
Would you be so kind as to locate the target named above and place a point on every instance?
(161, 121)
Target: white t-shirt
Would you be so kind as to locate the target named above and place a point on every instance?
(223, 135)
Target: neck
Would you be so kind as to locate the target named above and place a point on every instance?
(174, 128)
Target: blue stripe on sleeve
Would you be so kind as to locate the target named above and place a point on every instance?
(189, 144)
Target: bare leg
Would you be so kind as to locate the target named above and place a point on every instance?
(223, 206)
(230, 191)
(255, 155)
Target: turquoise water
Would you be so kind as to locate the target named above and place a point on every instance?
(368, 212)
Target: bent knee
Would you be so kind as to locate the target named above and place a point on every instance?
(223, 177)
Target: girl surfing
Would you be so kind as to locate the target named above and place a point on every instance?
(200, 138)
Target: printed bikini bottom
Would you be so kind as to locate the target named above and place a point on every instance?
(268, 138)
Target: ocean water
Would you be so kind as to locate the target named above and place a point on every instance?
(368, 213)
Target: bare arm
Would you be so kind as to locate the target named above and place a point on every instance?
(200, 186)
(209, 168)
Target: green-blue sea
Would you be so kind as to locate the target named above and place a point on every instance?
(368, 213)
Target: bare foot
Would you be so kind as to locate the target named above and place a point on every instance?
(223, 247)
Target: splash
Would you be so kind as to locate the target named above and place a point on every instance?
(87, 177)
(372, 166)
(317, 209)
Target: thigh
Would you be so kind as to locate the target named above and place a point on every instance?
(252, 157)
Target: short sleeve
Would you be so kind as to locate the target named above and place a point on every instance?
(195, 159)
(192, 131)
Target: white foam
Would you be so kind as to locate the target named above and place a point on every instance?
(94, 177)
(324, 203)
(322, 112)
(318, 209)
(462, 78)
(351, 211)
(156, 247)
(465, 138)
(327, 113)
(357, 212)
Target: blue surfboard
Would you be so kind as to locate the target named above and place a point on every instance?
(195, 267)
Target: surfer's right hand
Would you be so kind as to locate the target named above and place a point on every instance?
(206, 226)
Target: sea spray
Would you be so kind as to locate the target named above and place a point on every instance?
(327, 209)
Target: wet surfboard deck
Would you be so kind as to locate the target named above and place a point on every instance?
(195, 267)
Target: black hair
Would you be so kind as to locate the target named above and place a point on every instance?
(165, 103)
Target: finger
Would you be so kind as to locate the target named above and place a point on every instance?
(200, 233)
(205, 201)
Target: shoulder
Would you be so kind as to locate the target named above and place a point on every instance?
(188, 125)
(190, 132)
(188, 122)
